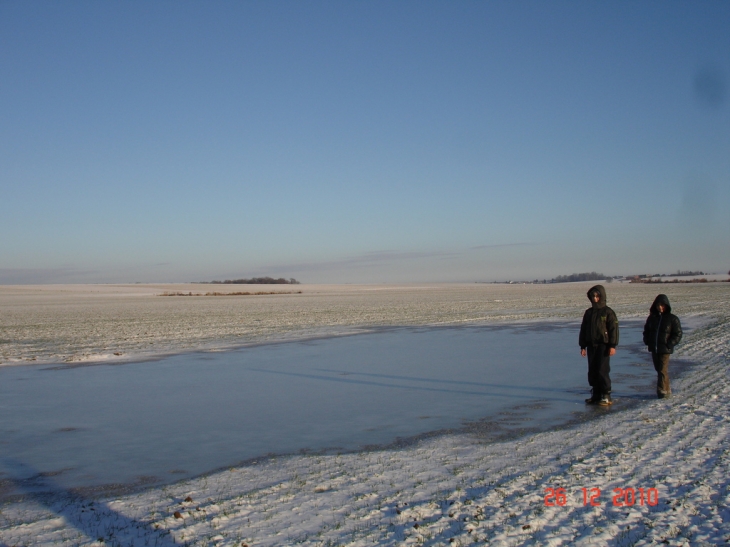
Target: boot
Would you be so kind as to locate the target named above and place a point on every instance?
(594, 398)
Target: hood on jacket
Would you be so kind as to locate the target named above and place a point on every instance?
(602, 292)
(661, 299)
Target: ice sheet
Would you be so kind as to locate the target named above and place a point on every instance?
(160, 421)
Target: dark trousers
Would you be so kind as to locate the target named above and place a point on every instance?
(661, 365)
(599, 368)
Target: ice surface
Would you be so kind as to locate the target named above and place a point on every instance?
(189, 414)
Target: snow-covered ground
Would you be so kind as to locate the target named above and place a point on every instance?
(111, 323)
(669, 458)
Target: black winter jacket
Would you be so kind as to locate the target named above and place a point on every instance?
(600, 325)
(662, 331)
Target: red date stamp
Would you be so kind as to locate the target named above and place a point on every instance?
(622, 497)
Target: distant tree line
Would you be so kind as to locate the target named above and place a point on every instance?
(688, 272)
(258, 281)
(257, 293)
(588, 276)
(649, 280)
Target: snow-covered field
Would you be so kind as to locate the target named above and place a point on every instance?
(86, 323)
(669, 458)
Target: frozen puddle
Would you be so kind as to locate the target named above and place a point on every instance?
(160, 421)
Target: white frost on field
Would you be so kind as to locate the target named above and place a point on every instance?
(453, 490)
(107, 323)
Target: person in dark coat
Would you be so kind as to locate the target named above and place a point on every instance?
(598, 340)
(662, 331)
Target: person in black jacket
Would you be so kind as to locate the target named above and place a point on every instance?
(598, 340)
(662, 331)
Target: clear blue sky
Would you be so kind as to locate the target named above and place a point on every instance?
(362, 141)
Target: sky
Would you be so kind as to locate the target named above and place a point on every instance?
(362, 141)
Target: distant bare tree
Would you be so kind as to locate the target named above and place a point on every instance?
(258, 281)
(588, 276)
